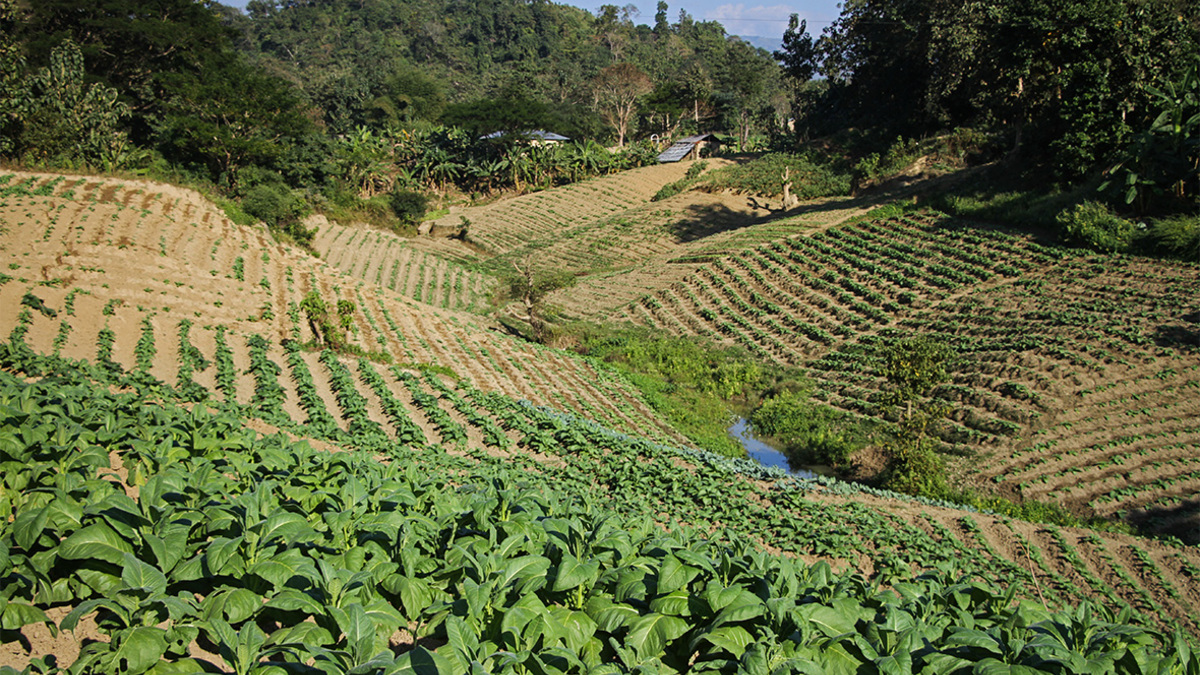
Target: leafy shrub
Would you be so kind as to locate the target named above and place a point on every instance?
(275, 205)
(876, 167)
(670, 190)
(764, 176)
(814, 433)
(1094, 225)
(695, 170)
(409, 206)
(1179, 235)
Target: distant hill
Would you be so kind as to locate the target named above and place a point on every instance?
(770, 44)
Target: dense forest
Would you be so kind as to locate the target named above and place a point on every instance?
(364, 108)
(333, 103)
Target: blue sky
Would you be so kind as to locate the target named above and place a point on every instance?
(739, 18)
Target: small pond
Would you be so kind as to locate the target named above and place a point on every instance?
(769, 456)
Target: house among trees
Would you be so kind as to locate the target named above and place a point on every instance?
(688, 147)
(535, 137)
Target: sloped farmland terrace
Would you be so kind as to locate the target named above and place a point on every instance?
(525, 447)
(1044, 334)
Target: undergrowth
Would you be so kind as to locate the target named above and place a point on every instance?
(692, 385)
(810, 178)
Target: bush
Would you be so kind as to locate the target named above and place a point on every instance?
(410, 207)
(670, 190)
(812, 433)
(689, 179)
(914, 468)
(764, 176)
(1177, 235)
(1094, 225)
(275, 205)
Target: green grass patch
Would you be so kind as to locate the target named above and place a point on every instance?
(693, 385)
(810, 177)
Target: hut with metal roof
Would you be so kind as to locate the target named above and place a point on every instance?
(533, 137)
(688, 147)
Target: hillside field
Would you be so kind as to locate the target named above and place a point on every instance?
(191, 484)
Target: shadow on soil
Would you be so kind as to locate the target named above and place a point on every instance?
(706, 220)
(1182, 337)
(1182, 521)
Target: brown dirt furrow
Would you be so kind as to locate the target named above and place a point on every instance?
(320, 378)
(204, 338)
(402, 394)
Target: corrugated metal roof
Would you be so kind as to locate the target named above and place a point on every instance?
(676, 152)
(683, 146)
(535, 135)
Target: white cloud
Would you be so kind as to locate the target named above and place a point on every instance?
(739, 19)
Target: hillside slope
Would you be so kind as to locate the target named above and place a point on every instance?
(127, 280)
(117, 263)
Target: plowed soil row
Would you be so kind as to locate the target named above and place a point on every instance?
(389, 261)
(175, 270)
(506, 225)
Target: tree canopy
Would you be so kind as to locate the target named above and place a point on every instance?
(1068, 81)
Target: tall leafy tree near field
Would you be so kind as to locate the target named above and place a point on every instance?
(1070, 82)
(617, 90)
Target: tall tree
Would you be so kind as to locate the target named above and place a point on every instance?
(662, 27)
(616, 91)
(68, 121)
(130, 44)
(743, 87)
(1065, 78)
(229, 115)
(531, 287)
(798, 55)
(13, 83)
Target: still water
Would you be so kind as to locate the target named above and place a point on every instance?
(765, 454)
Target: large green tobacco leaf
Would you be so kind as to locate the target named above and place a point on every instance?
(415, 594)
(224, 556)
(677, 603)
(421, 661)
(674, 575)
(28, 526)
(650, 634)
(359, 631)
(141, 576)
(15, 615)
(526, 573)
(138, 650)
(233, 605)
(282, 567)
(835, 620)
(745, 605)
(610, 616)
(97, 541)
(577, 627)
(833, 659)
(996, 667)
(733, 639)
(284, 527)
(170, 547)
(571, 573)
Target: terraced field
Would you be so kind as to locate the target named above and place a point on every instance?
(115, 265)
(1041, 332)
(405, 266)
(509, 224)
(539, 462)
(160, 294)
